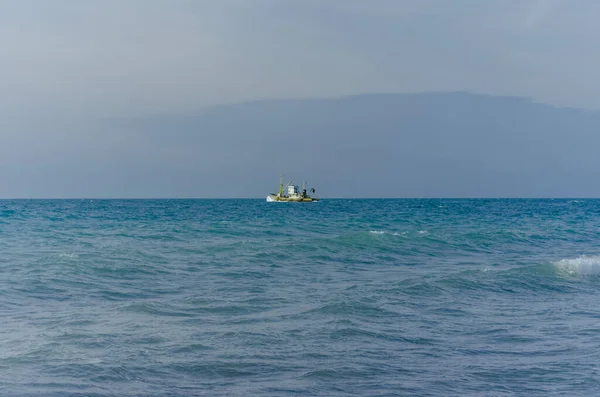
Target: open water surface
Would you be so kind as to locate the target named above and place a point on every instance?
(336, 298)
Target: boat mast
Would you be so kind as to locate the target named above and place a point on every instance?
(281, 185)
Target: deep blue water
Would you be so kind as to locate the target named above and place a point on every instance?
(336, 298)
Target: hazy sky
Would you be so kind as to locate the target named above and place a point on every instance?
(64, 62)
(156, 55)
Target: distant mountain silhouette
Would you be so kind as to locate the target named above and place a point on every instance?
(453, 144)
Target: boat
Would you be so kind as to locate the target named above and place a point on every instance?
(292, 193)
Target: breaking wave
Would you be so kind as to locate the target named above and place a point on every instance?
(583, 265)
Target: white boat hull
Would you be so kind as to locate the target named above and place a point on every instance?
(277, 199)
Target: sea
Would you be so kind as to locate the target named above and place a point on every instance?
(342, 297)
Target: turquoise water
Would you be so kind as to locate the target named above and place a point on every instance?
(336, 298)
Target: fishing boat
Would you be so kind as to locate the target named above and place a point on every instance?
(292, 193)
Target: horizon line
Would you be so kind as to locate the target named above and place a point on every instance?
(321, 198)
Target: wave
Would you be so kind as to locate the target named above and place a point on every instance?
(583, 265)
(403, 233)
(562, 276)
(351, 308)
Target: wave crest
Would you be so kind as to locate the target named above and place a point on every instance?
(583, 265)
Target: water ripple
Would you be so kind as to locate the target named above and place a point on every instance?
(347, 297)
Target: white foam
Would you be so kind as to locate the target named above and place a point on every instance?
(584, 265)
(68, 255)
(404, 233)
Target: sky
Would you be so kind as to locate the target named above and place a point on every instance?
(67, 63)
